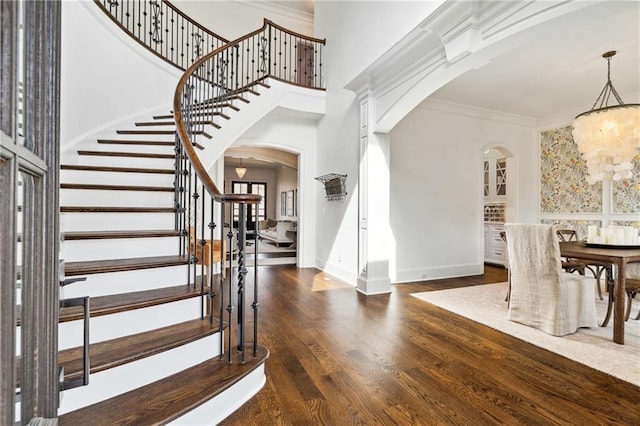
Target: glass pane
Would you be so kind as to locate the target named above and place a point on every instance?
(501, 176)
(20, 83)
(486, 178)
(23, 209)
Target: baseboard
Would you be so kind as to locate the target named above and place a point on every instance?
(438, 272)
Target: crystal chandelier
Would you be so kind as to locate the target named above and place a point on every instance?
(240, 171)
(608, 137)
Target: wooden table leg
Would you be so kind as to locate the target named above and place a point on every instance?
(618, 305)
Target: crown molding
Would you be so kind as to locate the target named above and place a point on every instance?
(280, 9)
(477, 112)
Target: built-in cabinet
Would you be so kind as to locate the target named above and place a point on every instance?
(495, 249)
(495, 192)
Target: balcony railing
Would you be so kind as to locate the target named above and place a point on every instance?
(164, 29)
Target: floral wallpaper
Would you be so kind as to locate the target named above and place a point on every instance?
(626, 193)
(635, 224)
(580, 226)
(562, 176)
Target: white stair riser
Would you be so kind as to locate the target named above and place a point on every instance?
(219, 408)
(112, 326)
(126, 281)
(117, 221)
(149, 163)
(115, 198)
(116, 178)
(79, 250)
(114, 381)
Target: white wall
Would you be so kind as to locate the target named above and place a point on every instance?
(287, 180)
(357, 33)
(106, 76)
(233, 19)
(296, 133)
(436, 186)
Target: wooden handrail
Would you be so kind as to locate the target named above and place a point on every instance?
(208, 62)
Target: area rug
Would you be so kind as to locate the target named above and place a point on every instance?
(593, 347)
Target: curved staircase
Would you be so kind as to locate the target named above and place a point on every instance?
(144, 337)
(153, 356)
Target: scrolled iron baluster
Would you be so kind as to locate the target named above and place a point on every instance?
(262, 48)
(222, 77)
(197, 45)
(242, 272)
(221, 281)
(230, 286)
(156, 24)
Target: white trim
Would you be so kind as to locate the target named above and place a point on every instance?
(281, 10)
(438, 272)
(478, 112)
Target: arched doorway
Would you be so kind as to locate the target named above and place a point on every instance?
(272, 173)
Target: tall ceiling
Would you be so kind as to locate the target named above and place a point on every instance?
(562, 69)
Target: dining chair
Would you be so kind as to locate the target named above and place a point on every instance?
(632, 289)
(503, 236)
(577, 265)
(543, 295)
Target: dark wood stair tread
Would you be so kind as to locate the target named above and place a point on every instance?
(169, 398)
(125, 154)
(103, 235)
(108, 209)
(205, 113)
(215, 105)
(160, 132)
(116, 187)
(115, 352)
(116, 169)
(114, 303)
(156, 123)
(119, 265)
(135, 142)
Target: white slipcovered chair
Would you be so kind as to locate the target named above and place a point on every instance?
(542, 294)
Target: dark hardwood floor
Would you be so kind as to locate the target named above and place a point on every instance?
(341, 358)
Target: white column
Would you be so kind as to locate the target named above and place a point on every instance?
(374, 230)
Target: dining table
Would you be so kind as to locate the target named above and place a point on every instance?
(620, 257)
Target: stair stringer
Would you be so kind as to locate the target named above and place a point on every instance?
(279, 95)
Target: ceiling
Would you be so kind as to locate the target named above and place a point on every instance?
(562, 68)
(559, 69)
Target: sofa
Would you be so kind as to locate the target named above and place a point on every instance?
(280, 232)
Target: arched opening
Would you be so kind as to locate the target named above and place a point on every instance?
(272, 173)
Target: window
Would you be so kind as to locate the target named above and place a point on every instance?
(256, 212)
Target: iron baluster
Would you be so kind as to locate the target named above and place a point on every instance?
(156, 23)
(255, 303)
(212, 227)
(230, 285)
(223, 273)
(242, 272)
(204, 267)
